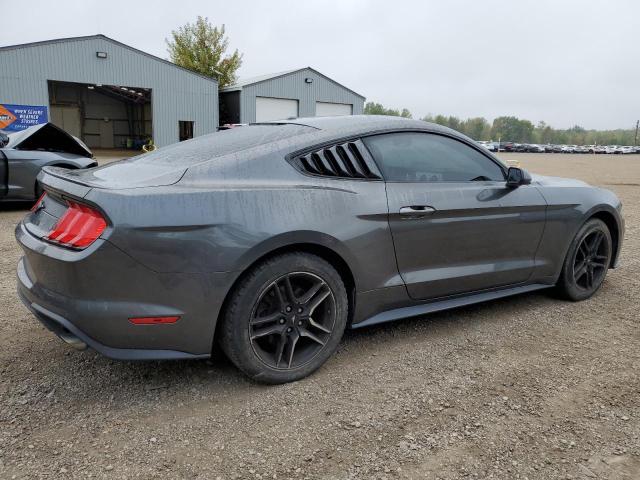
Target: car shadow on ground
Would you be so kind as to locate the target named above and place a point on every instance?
(15, 205)
(460, 317)
(216, 377)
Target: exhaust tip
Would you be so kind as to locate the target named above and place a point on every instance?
(72, 340)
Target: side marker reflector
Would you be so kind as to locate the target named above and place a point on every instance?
(153, 320)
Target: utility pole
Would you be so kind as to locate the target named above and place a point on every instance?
(635, 141)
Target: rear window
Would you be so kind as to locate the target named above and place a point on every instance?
(206, 147)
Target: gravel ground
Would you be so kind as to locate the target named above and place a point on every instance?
(526, 387)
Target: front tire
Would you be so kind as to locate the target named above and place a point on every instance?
(587, 261)
(285, 318)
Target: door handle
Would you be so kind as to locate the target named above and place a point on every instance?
(416, 211)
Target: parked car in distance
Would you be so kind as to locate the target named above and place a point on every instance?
(23, 154)
(491, 146)
(271, 239)
(580, 149)
(506, 146)
(536, 148)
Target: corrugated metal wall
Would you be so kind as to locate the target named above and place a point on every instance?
(176, 93)
(293, 85)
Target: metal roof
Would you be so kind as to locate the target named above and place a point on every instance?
(243, 82)
(103, 37)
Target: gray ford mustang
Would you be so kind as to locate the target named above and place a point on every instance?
(23, 154)
(271, 239)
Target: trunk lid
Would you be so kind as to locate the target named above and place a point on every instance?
(117, 176)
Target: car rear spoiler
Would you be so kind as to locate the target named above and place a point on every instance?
(57, 179)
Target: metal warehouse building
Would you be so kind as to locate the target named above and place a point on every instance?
(295, 93)
(104, 92)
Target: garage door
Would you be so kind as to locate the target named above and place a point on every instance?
(326, 109)
(268, 108)
(67, 118)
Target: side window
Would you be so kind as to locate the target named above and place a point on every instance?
(426, 157)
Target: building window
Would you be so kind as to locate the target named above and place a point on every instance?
(185, 130)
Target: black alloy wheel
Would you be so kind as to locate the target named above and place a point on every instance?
(587, 261)
(285, 318)
(292, 320)
(591, 260)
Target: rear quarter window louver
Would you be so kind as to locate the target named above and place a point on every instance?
(344, 160)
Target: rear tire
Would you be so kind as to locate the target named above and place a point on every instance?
(285, 318)
(587, 261)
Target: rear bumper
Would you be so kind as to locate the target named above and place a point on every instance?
(87, 297)
(79, 340)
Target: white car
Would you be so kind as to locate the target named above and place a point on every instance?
(627, 150)
(491, 146)
(536, 148)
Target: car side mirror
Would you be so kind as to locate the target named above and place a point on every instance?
(4, 139)
(517, 176)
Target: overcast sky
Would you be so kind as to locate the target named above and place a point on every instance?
(565, 62)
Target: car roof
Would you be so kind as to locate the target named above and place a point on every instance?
(346, 125)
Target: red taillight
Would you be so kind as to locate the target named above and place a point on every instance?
(153, 320)
(38, 202)
(79, 227)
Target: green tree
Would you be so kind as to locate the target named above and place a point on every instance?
(441, 120)
(543, 133)
(477, 128)
(406, 113)
(509, 128)
(512, 129)
(202, 47)
(372, 108)
(577, 135)
(453, 122)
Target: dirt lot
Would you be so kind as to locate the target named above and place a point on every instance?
(526, 387)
